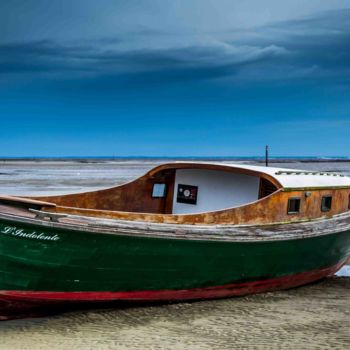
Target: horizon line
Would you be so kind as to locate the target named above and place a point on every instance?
(170, 157)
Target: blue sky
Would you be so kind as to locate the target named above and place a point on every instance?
(174, 78)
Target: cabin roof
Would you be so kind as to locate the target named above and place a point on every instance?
(287, 178)
(297, 178)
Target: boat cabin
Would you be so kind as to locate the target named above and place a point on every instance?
(213, 193)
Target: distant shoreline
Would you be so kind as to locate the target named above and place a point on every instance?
(143, 158)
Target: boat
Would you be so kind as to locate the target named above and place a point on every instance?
(182, 231)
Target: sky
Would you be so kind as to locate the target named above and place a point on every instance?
(174, 78)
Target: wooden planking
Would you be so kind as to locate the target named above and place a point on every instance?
(267, 210)
(266, 188)
(133, 201)
(24, 202)
(168, 209)
(135, 196)
(232, 233)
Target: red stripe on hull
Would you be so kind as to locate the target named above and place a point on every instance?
(16, 300)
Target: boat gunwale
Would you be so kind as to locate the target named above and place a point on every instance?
(224, 233)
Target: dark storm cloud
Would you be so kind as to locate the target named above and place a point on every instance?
(324, 39)
(48, 56)
(314, 47)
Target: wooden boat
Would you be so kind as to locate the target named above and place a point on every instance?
(183, 231)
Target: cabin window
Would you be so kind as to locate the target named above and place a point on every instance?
(159, 191)
(294, 205)
(326, 204)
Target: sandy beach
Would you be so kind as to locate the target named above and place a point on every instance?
(311, 317)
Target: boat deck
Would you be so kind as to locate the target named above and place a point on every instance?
(280, 231)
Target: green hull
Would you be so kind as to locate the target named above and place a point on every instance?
(38, 258)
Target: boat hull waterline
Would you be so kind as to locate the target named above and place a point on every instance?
(43, 265)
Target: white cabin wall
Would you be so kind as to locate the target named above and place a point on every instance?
(216, 190)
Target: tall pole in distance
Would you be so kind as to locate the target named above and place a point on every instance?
(267, 155)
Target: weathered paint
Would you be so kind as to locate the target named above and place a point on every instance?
(133, 201)
(271, 209)
(134, 196)
(228, 290)
(83, 261)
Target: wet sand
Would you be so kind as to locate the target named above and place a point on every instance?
(310, 317)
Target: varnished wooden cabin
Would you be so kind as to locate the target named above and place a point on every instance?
(209, 193)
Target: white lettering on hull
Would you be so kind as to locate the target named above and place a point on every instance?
(20, 232)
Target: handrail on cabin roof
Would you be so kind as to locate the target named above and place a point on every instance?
(307, 173)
